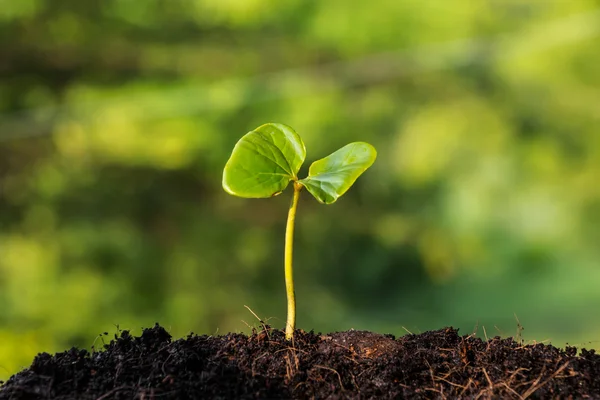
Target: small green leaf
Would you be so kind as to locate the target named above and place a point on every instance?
(264, 161)
(330, 177)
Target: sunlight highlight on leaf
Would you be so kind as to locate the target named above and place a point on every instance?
(264, 161)
(330, 177)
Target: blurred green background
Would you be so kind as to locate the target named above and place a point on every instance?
(117, 117)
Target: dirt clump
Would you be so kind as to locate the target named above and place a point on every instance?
(343, 365)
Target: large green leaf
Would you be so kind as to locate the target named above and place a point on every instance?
(330, 177)
(264, 161)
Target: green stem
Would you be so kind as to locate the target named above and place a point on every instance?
(289, 272)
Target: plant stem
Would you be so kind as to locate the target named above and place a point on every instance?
(289, 272)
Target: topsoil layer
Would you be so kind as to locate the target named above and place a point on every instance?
(352, 364)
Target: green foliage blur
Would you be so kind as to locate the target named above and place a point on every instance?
(117, 118)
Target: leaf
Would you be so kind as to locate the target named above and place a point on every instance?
(264, 161)
(330, 177)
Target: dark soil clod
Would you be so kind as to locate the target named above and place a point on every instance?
(352, 364)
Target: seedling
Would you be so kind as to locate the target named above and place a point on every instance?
(267, 159)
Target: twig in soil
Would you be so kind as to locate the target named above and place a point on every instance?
(291, 349)
(507, 384)
(440, 392)
(265, 328)
(512, 376)
(367, 371)
(536, 385)
(333, 370)
(290, 370)
(247, 324)
(490, 384)
(499, 331)
(255, 360)
(264, 325)
(351, 359)
(433, 379)
(466, 387)
(520, 330)
(355, 383)
(113, 391)
(253, 313)
(162, 367)
(511, 390)
(443, 379)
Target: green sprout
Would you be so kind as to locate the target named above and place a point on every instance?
(267, 159)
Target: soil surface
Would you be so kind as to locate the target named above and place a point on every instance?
(352, 364)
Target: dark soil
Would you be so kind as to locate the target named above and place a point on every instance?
(352, 364)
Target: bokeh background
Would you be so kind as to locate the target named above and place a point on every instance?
(117, 117)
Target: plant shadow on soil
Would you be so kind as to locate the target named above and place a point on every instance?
(352, 364)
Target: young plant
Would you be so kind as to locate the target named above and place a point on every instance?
(267, 159)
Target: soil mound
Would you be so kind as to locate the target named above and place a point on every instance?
(341, 365)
